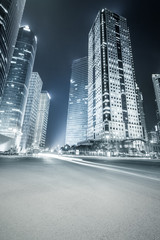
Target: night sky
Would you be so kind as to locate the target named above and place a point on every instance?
(62, 28)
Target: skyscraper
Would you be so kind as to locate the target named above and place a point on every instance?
(11, 12)
(141, 112)
(16, 86)
(156, 85)
(42, 120)
(28, 128)
(77, 107)
(112, 101)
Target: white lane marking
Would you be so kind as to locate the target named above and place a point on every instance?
(96, 165)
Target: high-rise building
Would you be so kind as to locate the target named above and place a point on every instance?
(42, 120)
(76, 130)
(29, 122)
(15, 92)
(156, 85)
(141, 112)
(11, 12)
(112, 101)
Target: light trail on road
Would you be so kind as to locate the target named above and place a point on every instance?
(63, 198)
(115, 169)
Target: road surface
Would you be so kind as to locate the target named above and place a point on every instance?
(60, 198)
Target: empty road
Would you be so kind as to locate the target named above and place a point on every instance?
(62, 198)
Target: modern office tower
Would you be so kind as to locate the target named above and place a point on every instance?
(11, 12)
(28, 128)
(112, 102)
(141, 112)
(156, 85)
(76, 130)
(42, 120)
(15, 92)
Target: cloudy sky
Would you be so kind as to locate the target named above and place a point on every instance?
(62, 28)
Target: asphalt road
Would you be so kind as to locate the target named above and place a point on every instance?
(58, 198)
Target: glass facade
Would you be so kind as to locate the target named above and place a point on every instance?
(156, 85)
(141, 112)
(112, 100)
(28, 128)
(16, 86)
(76, 130)
(42, 120)
(11, 12)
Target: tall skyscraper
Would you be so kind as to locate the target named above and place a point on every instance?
(28, 128)
(77, 107)
(16, 86)
(112, 102)
(141, 112)
(42, 120)
(156, 85)
(11, 12)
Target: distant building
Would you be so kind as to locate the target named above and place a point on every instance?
(15, 92)
(156, 85)
(76, 130)
(112, 100)
(11, 12)
(154, 144)
(153, 137)
(42, 120)
(141, 112)
(28, 128)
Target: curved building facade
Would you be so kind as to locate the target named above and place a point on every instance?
(76, 130)
(42, 120)
(31, 111)
(11, 12)
(6, 143)
(15, 93)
